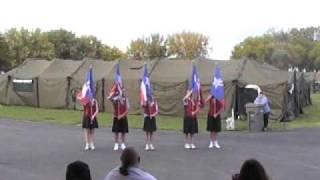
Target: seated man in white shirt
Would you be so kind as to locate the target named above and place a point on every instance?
(129, 170)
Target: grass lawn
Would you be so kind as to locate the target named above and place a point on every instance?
(310, 118)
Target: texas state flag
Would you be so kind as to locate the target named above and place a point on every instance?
(217, 89)
(145, 87)
(88, 92)
(117, 84)
(195, 86)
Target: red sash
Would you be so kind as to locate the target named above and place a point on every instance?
(151, 109)
(120, 108)
(214, 107)
(190, 108)
(89, 109)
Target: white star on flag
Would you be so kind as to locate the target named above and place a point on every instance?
(217, 82)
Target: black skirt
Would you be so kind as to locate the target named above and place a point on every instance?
(190, 125)
(120, 125)
(149, 124)
(87, 123)
(214, 124)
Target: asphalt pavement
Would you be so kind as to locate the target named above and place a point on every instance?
(41, 151)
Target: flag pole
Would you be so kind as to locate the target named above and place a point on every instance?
(91, 86)
(148, 105)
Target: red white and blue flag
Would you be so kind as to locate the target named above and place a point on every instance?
(116, 89)
(217, 90)
(145, 87)
(195, 87)
(88, 90)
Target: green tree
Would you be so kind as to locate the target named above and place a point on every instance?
(155, 46)
(23, 44)
(4, 53)
(40, 47)
(19, 45)
(87, 46)
(253, 48)
(314, 55)
(151, 47)
(64, 43)
(188, 45)
(110, 54)
(284, 55)
(137, 49)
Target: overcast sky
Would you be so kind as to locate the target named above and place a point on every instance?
(116, 22)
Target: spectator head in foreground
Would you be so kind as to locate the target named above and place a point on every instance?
(129, 170)
(251, 170)
(129, 158)
(78, 170)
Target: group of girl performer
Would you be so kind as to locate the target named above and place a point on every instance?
(150, 110)
(90, 123)
(190, 122)
(120, 121)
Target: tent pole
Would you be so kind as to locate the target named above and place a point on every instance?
(103, 95)
(37, 88)
(7, 89)
(68, 92)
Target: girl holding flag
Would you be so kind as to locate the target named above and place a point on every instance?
(120, 103)
(193, 102)
(190, 121)
(90, 122)
(216, 106)
(90, 110)
(150, 109)
(149, 127)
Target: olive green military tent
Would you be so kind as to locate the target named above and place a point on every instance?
(169, 79)
(54, 83)
(4, 86)
(23, 87)
(272, 82)
(49, 84)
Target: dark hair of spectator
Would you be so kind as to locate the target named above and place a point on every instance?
(129, 158)
(78, 170)
(252, 170)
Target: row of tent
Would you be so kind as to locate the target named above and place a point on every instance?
(50, 84)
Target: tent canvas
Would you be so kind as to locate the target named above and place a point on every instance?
(29, 70)
(101, 70)
(169, 79)
(131, 73)
(273, 82)
(54, 83)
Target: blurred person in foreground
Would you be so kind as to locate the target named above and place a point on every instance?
(78, 170)
(251, 170)
(129, 169)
